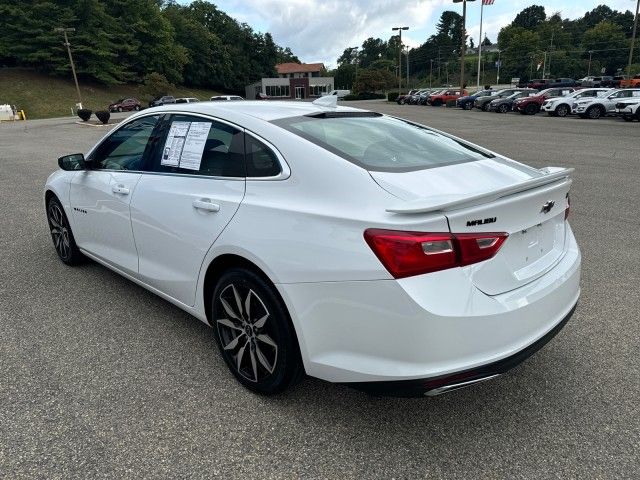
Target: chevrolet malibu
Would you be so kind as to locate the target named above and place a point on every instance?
(352, 246)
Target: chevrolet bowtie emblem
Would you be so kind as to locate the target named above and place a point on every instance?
(546, 208)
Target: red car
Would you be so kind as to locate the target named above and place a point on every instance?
(443, 97)
(125, 105)
(531, 105)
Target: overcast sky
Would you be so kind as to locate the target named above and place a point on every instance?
(319, 30)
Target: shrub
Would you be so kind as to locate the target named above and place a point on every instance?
(451, 103)
(392, 96)
(156, 85)
(103, 116)
(84, 114)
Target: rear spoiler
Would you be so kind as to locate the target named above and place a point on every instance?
(443, 203)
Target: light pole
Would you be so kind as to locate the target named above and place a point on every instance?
(498, 75)
(589, 68)
(407, 54)
(399, 29)
(633, 39)
(464, 41)
(73, 67)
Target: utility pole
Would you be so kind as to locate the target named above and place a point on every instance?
(498, 75)
(589, 68)
(73, 67)
(480, 45)
(464, 40)
(431, 73)
(633, 40)
(399, 29)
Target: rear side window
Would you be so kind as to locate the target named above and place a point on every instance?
(381, 143)
(198, 146)
(261, 160)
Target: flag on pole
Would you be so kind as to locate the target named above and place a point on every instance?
(487, 2)
(484, 2)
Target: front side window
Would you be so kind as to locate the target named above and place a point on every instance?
(380, 143)
(198, 146)
(125, 148)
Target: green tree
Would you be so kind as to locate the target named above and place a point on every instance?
(530, 17)
(371, 80)
(609, 45)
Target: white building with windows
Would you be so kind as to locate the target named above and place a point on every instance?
(294, 80)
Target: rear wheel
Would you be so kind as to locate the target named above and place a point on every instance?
(120, 109)
(254, 333)
(531, 109)
(61, 233)
(468, 106)
(594, 112)
(485, 107)
(504, 108)
(562, 110)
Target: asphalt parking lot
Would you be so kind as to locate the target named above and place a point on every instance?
(101, 379)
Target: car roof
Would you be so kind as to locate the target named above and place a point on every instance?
(268, 111)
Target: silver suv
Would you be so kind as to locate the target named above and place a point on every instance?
(600, 106)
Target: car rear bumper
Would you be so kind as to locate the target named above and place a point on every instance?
(454, 381)
(424, 327)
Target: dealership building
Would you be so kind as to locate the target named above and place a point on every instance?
(294, 80)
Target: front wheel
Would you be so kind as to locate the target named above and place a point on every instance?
(531, 109)
(594, 112)
(468, 106)
(562, 111)
(119, 109)
(61, 234)
(254, 332)
(485, 107)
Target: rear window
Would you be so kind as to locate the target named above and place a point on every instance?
(381, 143)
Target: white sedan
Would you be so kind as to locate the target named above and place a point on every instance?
(341, 243)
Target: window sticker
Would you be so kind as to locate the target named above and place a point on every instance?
(185, 144)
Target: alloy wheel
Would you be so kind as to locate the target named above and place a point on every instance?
(562, 111)
(59, 231)
(246, 333)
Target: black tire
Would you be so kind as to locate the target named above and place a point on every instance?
(119, 109)
(531, 109)
(269, 357)
(627, 119)
(436, 103)
(485, 107)
(638, 114)
(61, 234)
(594, 112)
(136, 108)
(467, 105)
(504, 108)
(562, 110)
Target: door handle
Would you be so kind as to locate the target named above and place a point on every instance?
(121, 189)
(206, 204)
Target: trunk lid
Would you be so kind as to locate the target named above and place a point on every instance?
(493, 195)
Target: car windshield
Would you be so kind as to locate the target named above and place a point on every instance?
(381, 143)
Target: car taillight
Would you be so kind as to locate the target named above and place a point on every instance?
(566, 211)
(405, 254)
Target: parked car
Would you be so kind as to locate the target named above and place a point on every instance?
(414, 98)
(402, 99)
(628, 110)
(562, 106)
(615, 82)
(163, 100)
(505, 104)
(631, 82)
(226, 98)
(563, 82)
(125, 105)
(262, 96)
(540, 83)
(596, 81)
(423, 97)
(443, 97)
(482, 103)
(600, 106)
(466, 102)
(530, 105)
(400, 260)
(187, 100)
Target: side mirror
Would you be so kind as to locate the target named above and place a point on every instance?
(72, 162)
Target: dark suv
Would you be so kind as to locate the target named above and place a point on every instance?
(165, 99)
